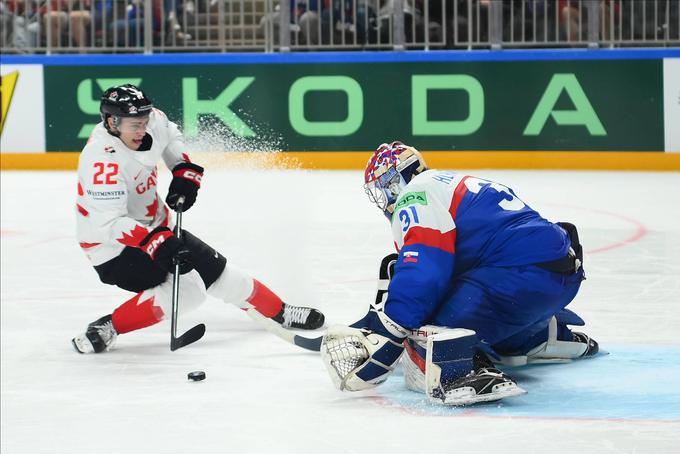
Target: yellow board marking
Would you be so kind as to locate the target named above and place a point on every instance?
(355, 160)
(7, 84)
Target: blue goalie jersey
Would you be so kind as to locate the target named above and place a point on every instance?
(446, 224)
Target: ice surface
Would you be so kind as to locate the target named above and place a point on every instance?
(315, 239)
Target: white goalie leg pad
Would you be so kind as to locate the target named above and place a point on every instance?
(550, 351)
(234, 286)
(414, 358)
(348, 354)
(192, 293)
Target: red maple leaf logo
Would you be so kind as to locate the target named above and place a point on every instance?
(134, 236)
(152, 209)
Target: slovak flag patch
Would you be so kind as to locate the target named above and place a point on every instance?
(410, 257)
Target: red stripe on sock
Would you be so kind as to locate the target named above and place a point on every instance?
(133, 315)
(265, 301)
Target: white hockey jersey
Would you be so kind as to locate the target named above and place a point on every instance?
(118, 203)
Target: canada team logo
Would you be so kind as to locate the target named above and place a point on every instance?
(7, 84)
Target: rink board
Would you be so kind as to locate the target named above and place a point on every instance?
(564, 160)
(327, 103)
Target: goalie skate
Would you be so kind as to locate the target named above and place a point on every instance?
(299, 317)
(483, 385)
(99, 337)
(556, 351)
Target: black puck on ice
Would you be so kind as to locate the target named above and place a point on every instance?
(197, 375)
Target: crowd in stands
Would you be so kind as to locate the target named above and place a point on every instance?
(63, 23)
(33, 24)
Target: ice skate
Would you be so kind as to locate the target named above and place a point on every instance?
(556, 351)
(483, 385)
(99, 337)
(299, 317)
(592, 347)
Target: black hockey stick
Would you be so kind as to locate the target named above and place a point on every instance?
(314, 344)
(197, 331)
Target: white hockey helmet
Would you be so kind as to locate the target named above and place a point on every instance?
(388, 171)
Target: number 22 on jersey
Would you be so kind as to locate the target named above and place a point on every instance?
(105, 173)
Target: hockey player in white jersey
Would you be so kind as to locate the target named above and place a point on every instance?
(124, 227)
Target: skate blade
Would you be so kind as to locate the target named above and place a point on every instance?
(82, 344)
(468, 396)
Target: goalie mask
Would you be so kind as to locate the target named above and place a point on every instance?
(388, 171)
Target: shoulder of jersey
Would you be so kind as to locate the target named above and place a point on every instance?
(100, 143)
(157, 118)
(421, 181)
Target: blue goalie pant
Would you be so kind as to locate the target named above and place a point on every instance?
(510, 307)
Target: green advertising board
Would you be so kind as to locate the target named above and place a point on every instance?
(461, 105)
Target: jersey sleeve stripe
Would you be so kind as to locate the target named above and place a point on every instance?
(88, 245)
(431, 237)
(458, 195)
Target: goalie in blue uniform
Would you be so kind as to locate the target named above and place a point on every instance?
(480, 279)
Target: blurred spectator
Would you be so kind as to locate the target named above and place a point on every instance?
(304, 21)
(173, 10)
(414, 24)
(573, 19)
(127, 27)
(81, 20)
(6, 19)
(341, 22)
(24, 29)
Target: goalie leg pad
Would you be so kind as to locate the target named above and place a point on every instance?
(457, 373)
(414, 357)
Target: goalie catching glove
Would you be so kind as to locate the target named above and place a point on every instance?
(362, 358)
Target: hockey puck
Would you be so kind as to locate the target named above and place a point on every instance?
(197, 375)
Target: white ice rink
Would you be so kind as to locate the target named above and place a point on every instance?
(315, 239)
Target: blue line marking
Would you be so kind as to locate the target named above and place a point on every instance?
(342, 57)
(632, 382)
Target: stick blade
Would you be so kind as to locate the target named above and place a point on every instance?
(307, 343)
(187, 338)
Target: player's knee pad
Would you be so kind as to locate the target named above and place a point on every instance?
(207, 261)
(356, 359)
(233, 286)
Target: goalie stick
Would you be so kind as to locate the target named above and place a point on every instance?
(197, 331)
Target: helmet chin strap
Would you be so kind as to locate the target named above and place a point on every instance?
(116, 122)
